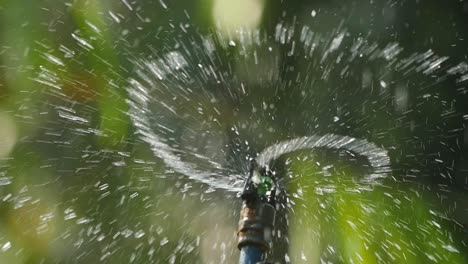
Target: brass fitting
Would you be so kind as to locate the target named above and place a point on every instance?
(256, 224)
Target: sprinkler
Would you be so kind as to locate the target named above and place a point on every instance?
(257, 216)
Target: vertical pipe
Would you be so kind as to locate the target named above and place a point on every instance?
(254, 232)
(257, 217)
(250, 254)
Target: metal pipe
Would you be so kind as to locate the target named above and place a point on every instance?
(251, 254)
(255, 230)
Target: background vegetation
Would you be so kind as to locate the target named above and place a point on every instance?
(78, 186)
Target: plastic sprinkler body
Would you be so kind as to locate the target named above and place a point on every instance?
(257, 217)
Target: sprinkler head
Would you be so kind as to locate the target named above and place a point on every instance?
(259, 185)
(257, 216)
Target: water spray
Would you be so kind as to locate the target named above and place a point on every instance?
(257, 216)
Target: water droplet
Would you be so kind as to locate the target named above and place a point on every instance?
(6, 246)
(451, 248)
(163, 241)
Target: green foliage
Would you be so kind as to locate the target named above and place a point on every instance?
(385, 225)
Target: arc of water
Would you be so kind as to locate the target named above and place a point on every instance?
(222, 179)
(225, 179)
(138, 109)
(377, 157)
